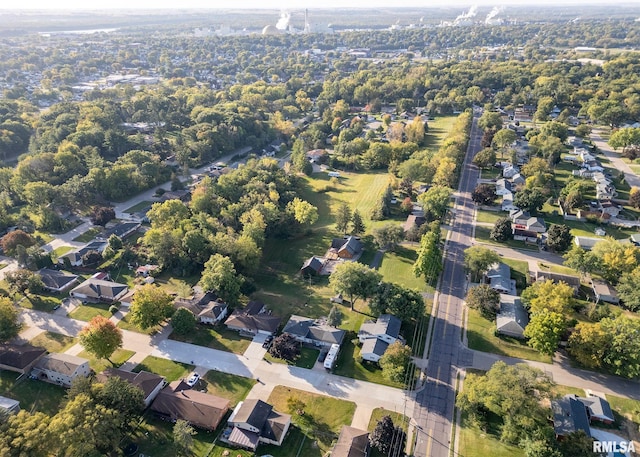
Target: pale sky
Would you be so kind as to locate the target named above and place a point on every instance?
(281, 4)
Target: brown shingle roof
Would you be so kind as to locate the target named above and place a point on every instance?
(19, 357)
(198, 408)
(147, 382)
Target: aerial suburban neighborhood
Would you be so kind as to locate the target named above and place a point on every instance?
(317, 232)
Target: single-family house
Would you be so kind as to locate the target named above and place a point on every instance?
(253, 319)
(9, 405)
(598, 409)
(312, 331)
(183, 195)
(312, 266)
(608, 208)
(593, 165)
(122, 230)
(19, 358)
(536, 224)
(99, 290)
(254, 422)
(413, 221)
(586, 242)
(503, 187)
(377, 336)
(317, 155)
(604, 291)
(200, 409)
(572, 281)
(569, 415)
(519, 217)
(346, 248)
(599, 231)
(61, 368)
(499, 278)
(146, 270)
(510, 171)
(352, 442)
(214, 312)
(518, 180)
(527, 236)
(56, 281)
(512, 318)
(507, 203)
(75, 257)
(149, 383)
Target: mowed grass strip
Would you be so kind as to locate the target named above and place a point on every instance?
(218, 337)
(171, 370)
(229, 386)
(53, 342)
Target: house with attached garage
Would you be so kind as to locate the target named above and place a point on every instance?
(122, 230)
(200, 409)
(376, 336)
(19, 358)
(151, 384)
(314, 332)
(569, 415)
(61, 368)
(499, 278)
(604, 291)
(507, 203)
(585, 242)
(56, 281)
(214, 312)
(352, 442)
(503, 187)
(254, 421)
(253, 319)
(75, 257)
(99, 290)
(510, 171)
(512, 318)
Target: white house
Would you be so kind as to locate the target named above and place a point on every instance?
(214, 312)
(603, 291)
(377, 336)
(499, 278)
(507, 203)
(503, 187)
(61, 368)
(510, 171)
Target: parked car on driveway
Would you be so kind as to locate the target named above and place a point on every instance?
(191, 380)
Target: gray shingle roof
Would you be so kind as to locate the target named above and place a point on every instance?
(64, 364)
(374, 346)
(569, 415)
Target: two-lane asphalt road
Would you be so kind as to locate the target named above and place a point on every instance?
(435, 403)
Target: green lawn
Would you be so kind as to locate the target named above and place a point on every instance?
(139, 207)
(586, 228)
(477, 443)
(438, 129)
(482, 235)
(322, 419)
(87, 236)
(60, 251)
(53, 342)
(154, 437)
(481, 335)
(554, 268)
(296, 444)
(171, 370)
(32, 394)
(119, 357)
(627, 413)
(41, 302)
(519, 272)
(489, 217)
(397, 267)
(560, 391)
(90, 310)
(348, 365)
(399, 419)
(124, 324)
(306, 359)
(218, 337)
(229, 386)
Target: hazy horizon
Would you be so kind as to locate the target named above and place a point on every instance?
(77, 5)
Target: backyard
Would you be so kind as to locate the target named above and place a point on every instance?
(397, 267)
(475, 442)
(32, 394)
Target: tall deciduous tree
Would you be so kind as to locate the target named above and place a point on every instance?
(548, 296)
(501, 231)
(183, 437)
(544, 331)
(435, 201)
(484, 299)
(395, 361)
(429, 261)
(101, 215)
(23, 281)
(403, 303)
(484, 194)
(219, 275)
(303, 212)
(285, 347)
(9, 324)
(101, 337)
(485, 158)
(579, 259)
(354, 280)
(559, 237)
(12, 240)
(634, 197)
(183, 321)
(529, 199)
(388, 236)
(478, 259)
(151, 305)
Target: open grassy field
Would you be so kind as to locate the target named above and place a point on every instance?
(397, 267)
(481, 335)
(119, 357)
(561, 269)
(163, 367)
(438, 129)
(307, 358)
(232, 387)
(90, 310)
(476, 443)
(53, 342)
(218, 337)
(349, 366)
(321, 422)
(33, 395)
